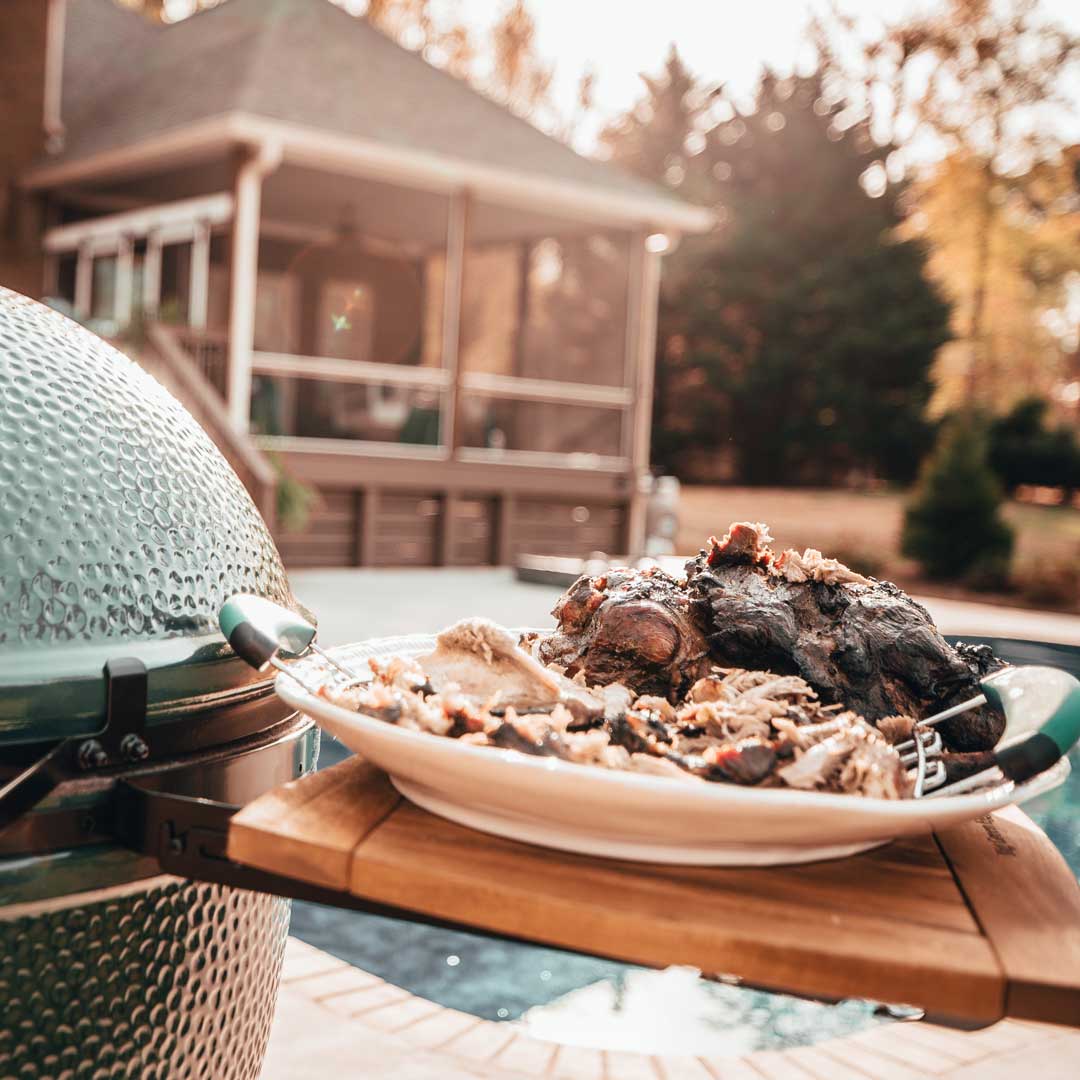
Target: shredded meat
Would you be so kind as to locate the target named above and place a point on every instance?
(730, 726)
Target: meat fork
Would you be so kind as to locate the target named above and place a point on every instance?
(1042, 724)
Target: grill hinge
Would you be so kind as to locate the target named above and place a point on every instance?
(121, 739)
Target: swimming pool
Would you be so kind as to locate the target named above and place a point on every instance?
(578, 999)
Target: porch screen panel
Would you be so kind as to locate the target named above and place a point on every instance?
(546, 305)
(175, 302)
(65, 277)
(325, 409)
(543, 333)
(505, 424)
(103, 288)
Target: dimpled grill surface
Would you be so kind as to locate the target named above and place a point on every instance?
(119, 518)
(177, 982)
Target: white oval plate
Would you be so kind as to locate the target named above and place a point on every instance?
(596, 811)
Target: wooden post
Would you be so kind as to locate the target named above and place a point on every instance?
(84, 281)
(252, 166)
(647, 287)
(446, 538)
(125, 281)
(52, 120)
(151, 297)
(634, 277)
(524, 255)
(456, 246)
(199, 289)
(357, 527)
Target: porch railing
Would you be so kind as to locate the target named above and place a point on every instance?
(208, 351)
(475, 384)
(206, 354)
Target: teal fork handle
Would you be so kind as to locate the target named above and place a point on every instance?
(259, 629)
(1042, 718)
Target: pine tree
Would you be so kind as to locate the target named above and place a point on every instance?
(810, 322)
(662, 139)
(952, 526)
(662, 136)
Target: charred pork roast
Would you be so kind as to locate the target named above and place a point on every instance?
(856, 641)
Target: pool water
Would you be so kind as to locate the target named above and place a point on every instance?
(582, 1000)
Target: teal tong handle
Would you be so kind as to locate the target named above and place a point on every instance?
(1042, 718)
(259, 629)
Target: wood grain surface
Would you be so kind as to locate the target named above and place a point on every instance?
(1027, 902)
(978, 923)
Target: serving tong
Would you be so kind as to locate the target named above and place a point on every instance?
(262, 632)
(1041, 705)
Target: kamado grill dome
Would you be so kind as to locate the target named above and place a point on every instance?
(122, 532)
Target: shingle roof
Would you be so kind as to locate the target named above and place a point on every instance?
(305, 62)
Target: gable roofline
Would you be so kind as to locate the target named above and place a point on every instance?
(362, 157)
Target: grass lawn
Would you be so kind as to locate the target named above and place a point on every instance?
(862, 529)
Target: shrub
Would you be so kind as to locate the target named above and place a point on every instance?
(295, 499)
(952, 526)
(1024, 450)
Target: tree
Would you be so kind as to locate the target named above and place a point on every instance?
(810, 324)
(983, 79)
(952, 526)
(1034, 241)
(663, 138)
(519, 78)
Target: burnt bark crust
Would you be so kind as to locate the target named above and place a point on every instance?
(862, 643)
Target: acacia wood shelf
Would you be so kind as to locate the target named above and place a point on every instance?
(978, 922)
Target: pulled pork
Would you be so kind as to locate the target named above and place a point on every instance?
(730, 726)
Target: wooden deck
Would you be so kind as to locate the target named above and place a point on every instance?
(336, 1020)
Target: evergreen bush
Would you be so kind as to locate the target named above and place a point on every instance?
(1025, 449)
(952, 526)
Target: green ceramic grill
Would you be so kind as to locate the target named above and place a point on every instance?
(129, 730)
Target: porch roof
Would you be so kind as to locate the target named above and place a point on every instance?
(296, 70)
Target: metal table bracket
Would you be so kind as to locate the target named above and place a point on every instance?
(188, 837)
